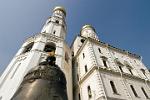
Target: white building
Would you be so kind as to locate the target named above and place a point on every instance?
(94, 70)
(104, 72)
(32, 53)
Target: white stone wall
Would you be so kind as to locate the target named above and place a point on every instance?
(122, 81)
(111, 54)
(119, 84)
(92, 81)
(87, 60)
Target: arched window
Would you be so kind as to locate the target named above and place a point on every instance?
(133, 90)
(50, 47)
(28, 47)
(89, 92)
(144, 92)
(82, 40)
(57, 21)
(113, 87)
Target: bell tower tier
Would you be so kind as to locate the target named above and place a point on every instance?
(88, 31)
(56, 23)
(35, 50)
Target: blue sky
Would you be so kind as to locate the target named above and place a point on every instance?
(122, 23)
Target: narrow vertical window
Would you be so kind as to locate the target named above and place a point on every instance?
(105, 63)
(89, 92)
(79, 96)
(133, 90)
(99, 50)
(83, 55)
(54, 32)
(144, 92)
(113, 87)
(143, 71)
(120, 67)
(86, 68)
(130, 70)
(77, 77)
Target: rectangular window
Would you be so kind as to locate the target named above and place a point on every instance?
(89, 92)
(77, 77)
(133, 90)
(105, 63)
(120, 67)
(79, 96)
(144, 93)
(113, 87)
(130, 70)
(99, 50)
(86, 68)
(83, 55)
(143, 71)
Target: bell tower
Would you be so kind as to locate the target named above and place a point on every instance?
(88, 31)
(34, 51)
(56, 23)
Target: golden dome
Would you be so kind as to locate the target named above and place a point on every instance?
(60, 8)
(87, 26)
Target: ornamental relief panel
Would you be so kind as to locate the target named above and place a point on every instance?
(22, 57)
(29, 40)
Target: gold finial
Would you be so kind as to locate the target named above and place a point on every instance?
(60, 8)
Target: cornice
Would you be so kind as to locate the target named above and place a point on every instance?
(108, 70)
(115, 48)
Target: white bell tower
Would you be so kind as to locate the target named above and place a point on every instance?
(88, 31)
(33, 51)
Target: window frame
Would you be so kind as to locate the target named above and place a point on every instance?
(113, 87)
(89, 92)
(99, 50)
(86, 69)
(28, 47)
(134, 91)
(144, 92)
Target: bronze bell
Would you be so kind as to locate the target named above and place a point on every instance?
(45, 82)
